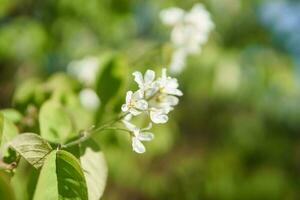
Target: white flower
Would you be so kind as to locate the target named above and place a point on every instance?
(164, 101)
(139, 135)
(190, 31)
(134, 103)
(89, 99)
(84, 70)
(146, 84)
(159, 116)
(155, 97)
(169, 85)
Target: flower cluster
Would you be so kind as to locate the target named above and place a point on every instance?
(190, 31)
(156, 97)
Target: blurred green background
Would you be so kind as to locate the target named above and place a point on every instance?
(235, 134)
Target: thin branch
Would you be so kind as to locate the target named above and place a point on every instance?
(85, 135)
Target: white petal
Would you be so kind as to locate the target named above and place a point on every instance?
(141, 105)
(146, 136)
(173, 91)
(158, 117)
(149, 76)
(137, 145)
(171, 87)
(148, 127)
(134, 111)
(128, 117)
(138, 95)
(128, 96)
(171, 100)
(138, 77)
(124, 108)
(164, 73)
(129, 125)
(171, 16)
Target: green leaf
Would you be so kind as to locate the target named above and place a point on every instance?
(61, 81)
(7, 132)
(32, 148)
(24, 180)
(61, 178)
(95, 169)
(72, 104)
(55, 123)
(29, 92)
(12, 114)
(6, 192)
(111, 78)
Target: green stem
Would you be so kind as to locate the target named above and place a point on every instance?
(86, 134)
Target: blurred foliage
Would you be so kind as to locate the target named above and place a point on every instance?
(236, 132)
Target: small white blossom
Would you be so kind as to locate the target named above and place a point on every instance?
(164, 101)
(84, 70)
(146, 83)
(89, 99)
(135, 103)
(190, 31)
(159, 116)
(139, 135)
(169, 85)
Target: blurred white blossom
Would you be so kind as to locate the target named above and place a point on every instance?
(84, 70)
(89, 99)
(178, 60)
(138, 135)
(190, 31)
(155, 97)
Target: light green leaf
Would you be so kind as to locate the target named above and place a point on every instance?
(61, 178)
(95, 169)
(6, 192)
(55, 123)
(7, 132)
(12, 114)
(61, 82)
(74, 108)
(24, 180)
(29, 92)
(32, 148)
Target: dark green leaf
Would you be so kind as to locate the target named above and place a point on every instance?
(111, 78)
(61, 178)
